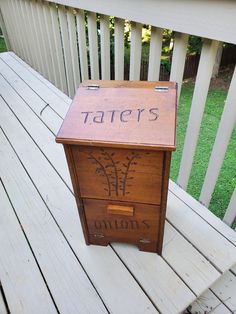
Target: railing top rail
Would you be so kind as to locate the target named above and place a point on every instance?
(210, 19)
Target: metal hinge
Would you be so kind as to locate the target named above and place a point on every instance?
(161, 88)
(145, 241)
(98, 235)
(92, 87)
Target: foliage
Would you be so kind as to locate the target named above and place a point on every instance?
(194, 45)
(166, 63)
(2, 45)
(168, 37)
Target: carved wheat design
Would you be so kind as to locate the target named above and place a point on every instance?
(127, 167)
(99, 169)
(116, 179)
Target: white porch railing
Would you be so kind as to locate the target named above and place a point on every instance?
(53, 39)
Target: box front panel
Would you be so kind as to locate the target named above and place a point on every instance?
(110, 221)
(119, 174)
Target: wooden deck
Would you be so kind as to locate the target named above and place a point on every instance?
(45, 266)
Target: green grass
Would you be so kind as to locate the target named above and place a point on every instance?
(2, 45)
(212, 114)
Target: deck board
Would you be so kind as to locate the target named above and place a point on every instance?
(203, 212)
(233, 269)
(225, 290)
(36, 129)
(49, 184)
(19, 272)
(208, 303)
(37, 104)
(200, 279)
(69, 285)
(52, 87)
(216, 248)
(3, 309)
(141, 281)
(22, 113)
(55, 101)
(97, 261)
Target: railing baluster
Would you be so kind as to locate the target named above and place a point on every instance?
(41, 34)
(46, 41)
(230, 214)
(58, 53)
(6, 17)
(30, 38)
(73, 47)
(36, 35)
(203, 78)
(105, 46)
(224, 132)
(18, 34)
(66, 49)
(14, 15)
(155, 54)
(82, 44)
(20, 8)
(4, 32)
(135, 51)
(178, 59)
(50, 42)
(119, 49)
(46, 28)
(93, 45)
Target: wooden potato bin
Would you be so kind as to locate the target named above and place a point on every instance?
(118, 137)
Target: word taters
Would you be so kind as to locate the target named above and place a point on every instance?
(123, 116)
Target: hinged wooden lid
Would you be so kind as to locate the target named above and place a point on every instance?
(122, 114)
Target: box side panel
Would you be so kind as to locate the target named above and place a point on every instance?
(76, 187)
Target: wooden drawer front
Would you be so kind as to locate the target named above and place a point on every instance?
(122, 222)
(119, 174)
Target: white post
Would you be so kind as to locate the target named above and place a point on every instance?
(218, 60)
(55, 79)
(66, 50)
(135, 51)
(155, 54)
(224, 132)
(230, 214)
(58, 55)
(105, 46)
(119, 49)
(203, 78)
(36, 35)
(178, 59)
(93, 45)
(82, 44)
(73, 47)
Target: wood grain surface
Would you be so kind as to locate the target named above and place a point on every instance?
(122, 114)
(118, 137)
(119, 174)
(141, 229)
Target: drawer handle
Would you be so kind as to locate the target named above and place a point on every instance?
(120, 210)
